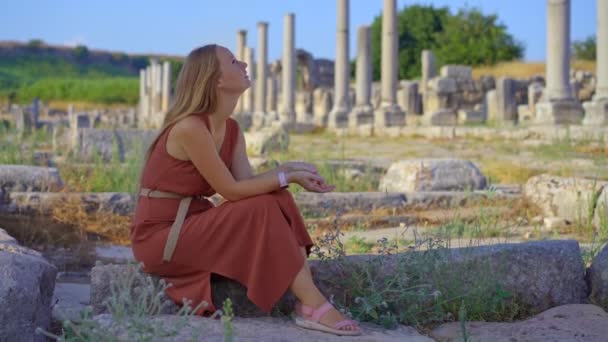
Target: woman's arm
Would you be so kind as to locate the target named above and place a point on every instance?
(197, 143)
(241, 168)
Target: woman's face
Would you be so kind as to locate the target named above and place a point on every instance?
(233, 73)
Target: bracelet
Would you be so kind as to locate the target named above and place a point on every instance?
(283, 180)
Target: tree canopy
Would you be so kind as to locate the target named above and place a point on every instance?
(467, 37)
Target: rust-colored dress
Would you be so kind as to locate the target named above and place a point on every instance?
(256, 241)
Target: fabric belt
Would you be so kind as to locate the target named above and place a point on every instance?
(182, 211)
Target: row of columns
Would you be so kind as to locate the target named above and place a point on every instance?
(254, 100)
(343, 113)
(389, 113)
(154, 94)
(558, 104)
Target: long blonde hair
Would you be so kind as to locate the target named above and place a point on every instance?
(195, 90)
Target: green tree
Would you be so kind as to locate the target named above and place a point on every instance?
(472, 38)
(585, 49)
(81, 52)
(35, 44)
(417, 26)
(468, 37)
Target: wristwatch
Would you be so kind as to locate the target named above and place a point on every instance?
(283, 180)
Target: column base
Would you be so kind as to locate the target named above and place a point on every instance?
(360, 115)
(441, 117)
(596, 112)
(337, 118)
(559, 112)
(260, 119)
(387, 116)
(288, 117)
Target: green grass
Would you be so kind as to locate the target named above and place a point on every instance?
(108, 90)
(134, 298)
(358, 245)
(422, 288)
(36, 70)
(19, 150)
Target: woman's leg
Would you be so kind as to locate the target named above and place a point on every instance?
(307, 292)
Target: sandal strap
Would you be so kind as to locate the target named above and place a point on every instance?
(321, 311)
(306, 310)
(345, 323)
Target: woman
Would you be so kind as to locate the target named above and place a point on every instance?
(257, 237)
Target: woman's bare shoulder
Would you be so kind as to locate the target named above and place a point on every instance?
(188, 126)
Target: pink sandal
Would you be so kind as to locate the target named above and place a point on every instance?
(311, 320)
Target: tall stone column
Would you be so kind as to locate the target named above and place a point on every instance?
(262, 68)
(428, 68)
(601, 91)
(559, 105)
(249, 94)
(389, 113)
(288, 72)
(166, 88)
(338, 117)
(596, 111)
(158, 115)
(271, 88)
(241, 43)
(363, 112)
(143, 98)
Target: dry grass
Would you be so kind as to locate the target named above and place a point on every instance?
(104, 225)
(518, 69)
(504, 172)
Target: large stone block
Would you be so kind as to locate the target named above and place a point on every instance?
(598, 279)
(267, 140)
(567, 197)
(28, 178)
(26, 289)
(596, 112)
(539, 275)
(432, 175)
(559, 112)
(456, 71)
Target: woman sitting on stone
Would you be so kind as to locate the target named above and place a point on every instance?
(257, 237)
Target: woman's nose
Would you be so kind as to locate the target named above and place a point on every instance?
(243, 65)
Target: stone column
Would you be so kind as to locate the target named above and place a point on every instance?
(248, 95)
(596, 111)
(143, 98)
(601, 90)
(506, 106)
(428, 68)
(363, 112)
(18, 119)
(241, 44)
(149, 97)
(338, 117)
(262, 67)
(288, 72)
(559, 105)
(166, 87)
(271, 85)
(157, 115)
(389, 113)
(408, 98)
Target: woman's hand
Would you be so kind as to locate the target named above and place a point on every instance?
(294, 166)
(310, 181)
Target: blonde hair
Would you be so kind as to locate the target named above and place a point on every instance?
(195, 90)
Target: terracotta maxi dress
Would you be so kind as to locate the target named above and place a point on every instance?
(256, 241)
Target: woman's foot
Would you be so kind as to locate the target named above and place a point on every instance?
(329, 317)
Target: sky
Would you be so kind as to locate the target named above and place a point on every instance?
(176, 27)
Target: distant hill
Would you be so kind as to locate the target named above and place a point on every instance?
(36, 69)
